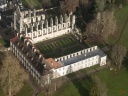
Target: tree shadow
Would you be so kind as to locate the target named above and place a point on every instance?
(125, 62)
(83, 83)
(85, 14)
(7, 43)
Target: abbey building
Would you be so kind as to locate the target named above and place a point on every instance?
(32, 27)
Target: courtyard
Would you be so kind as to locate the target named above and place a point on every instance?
(60, 46)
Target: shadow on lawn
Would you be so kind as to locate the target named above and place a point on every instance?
(83, 83)
(125, 62)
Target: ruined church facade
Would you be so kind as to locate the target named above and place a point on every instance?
(33, 24)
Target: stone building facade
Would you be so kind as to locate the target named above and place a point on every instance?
(30, 57)
(78, 60)
(34, 24)
(50, 68)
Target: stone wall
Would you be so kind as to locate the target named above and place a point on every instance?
(76, 53)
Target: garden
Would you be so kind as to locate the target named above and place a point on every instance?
(59, 46)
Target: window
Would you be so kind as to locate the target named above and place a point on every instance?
(33, 34)
(68, 24)
(34, 28)
(39, 27)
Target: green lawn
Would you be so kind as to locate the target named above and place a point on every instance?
(117, 84)
(25, 91)
(75, 88)
(2, 41)
(79, 87)
(122, 23)
(56, 48)
(31, 3)
(1, 92)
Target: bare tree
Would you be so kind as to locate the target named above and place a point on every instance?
(11, 75)
(69, 5)
(117, 54)
(99, 88)
(103, 25)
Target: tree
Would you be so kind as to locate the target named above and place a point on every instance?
(11, 75)
(100, 5)
(117, 54)
(69, 5)
(99, 88)
(103, 25)
(46, 3)
(94, 91)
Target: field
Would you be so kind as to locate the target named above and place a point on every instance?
(31, 3)
(117, 83)
(59, 46)
(75, 88)
(121, 35)
(25, 91)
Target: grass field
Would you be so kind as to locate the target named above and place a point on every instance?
(78, 87)
(122, 23)
(2, 41)
(117, 84)
(59, 47)
(31, 3)
(25, 91)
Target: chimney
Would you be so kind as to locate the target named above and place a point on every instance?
(34, 49)
(28, 43)
(52, 63)
(40, 56)
(44, 65)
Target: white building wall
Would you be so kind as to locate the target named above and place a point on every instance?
(47, 36)
(62, 71)
(88, 62)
